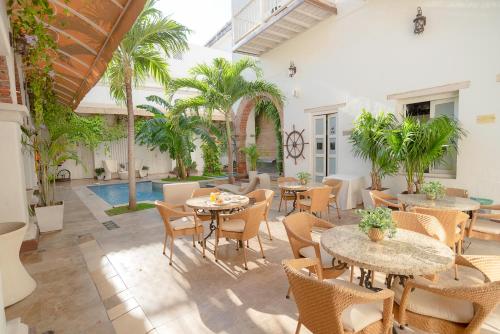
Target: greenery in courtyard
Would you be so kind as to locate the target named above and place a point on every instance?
(189, 178)
(141, 54)
(267, 109)
(252, 155)
(119, 210)
(220, 85)
(211, 158)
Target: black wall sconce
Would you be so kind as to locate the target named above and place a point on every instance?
(292, 69)
(419, 22)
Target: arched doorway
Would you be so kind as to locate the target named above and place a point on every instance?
(243, 112)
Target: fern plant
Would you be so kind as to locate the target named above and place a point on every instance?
(380, 218)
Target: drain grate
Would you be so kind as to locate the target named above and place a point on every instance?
(110, 225)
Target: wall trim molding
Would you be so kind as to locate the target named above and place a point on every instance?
(13, 112)
(430, 91)
(331, 107)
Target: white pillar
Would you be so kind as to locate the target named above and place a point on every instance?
(13, 203)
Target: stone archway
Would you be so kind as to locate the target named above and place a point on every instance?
(245, 108)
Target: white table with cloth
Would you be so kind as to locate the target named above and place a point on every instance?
(350, 192)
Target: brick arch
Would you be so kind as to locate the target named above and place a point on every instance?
(241, 119)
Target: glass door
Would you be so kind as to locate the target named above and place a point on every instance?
(325, 146)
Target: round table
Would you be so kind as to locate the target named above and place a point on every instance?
(447, 202)
(231, 202)
(296, 187)
(405, 255)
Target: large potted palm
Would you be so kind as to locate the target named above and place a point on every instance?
(252, 155)
(418, 145)
(369, 142)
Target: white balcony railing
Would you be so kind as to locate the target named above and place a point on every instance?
(253, 14)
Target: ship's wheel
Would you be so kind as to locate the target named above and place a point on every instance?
(295, 144)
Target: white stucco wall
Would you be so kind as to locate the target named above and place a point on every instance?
(367, 53)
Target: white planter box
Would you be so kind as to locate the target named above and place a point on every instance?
(252, 174)
(50, 218)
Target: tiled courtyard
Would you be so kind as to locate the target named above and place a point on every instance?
(94, 280)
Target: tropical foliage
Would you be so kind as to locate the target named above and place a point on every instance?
(419, 145)
(267, 109)
(252, 154)
(303, 177)
(369, 140)
(211, 158)
(380, 218)
(220, 85)
(141, 54)
(173, 130)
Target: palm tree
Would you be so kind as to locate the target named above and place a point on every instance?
(138, 56)
(174, 130)
(220, 85)
(369, 143)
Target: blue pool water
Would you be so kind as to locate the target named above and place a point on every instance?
(115, 194)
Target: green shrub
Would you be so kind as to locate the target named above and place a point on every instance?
(211, 158)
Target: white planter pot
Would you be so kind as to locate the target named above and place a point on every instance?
(50, 218)
(367, 200)
(252, 174)
(100, 177)
(16, 282)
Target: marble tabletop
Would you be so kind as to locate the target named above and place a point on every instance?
(447, 202)
(296, 186)
(230, 202)
(407, 253)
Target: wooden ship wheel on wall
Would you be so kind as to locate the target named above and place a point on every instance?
(295, 144)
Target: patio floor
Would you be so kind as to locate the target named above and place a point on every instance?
(94, 280)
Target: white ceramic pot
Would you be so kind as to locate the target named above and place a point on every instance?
(50, 218)
(252, 174)
(17, 283)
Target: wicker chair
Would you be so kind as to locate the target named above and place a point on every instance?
(420, 223)
(453, 223)
(298, 227)
(314, 200)
(381, 199)
(334, 196)
(242, 226)
(286, 195)
(483, 227)
(457, 192)
(198, 192)
(334, 307)
(451, 308)
(261, 195)
(186, 223)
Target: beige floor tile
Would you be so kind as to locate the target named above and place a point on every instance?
(122, 308)
(132, 322)
(110, 287)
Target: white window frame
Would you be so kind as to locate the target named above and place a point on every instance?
(441, 98)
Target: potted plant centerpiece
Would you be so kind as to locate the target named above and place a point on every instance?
(303, 177)
(376, 223)
(99, 172)
(144, 171)
(369, 142)
(433, 190)
(253, 155)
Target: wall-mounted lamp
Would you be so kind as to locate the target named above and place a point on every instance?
(419, 22)
(292, 69)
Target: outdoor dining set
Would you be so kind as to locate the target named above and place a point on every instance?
(345, 279)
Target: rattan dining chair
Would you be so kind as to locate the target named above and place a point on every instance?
(298, 227)
(334, 196)
(485, 226)
(453, 223)
(336, 306)
(381, 199)
(286, 195)
(179, 223)
(420, 223)
(241, 226)
(444, 307)
(199, 192)
(315, 200)
(261, 195)
(457, 192)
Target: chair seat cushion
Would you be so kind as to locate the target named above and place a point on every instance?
(233, 225)
(326, 259)
(182, 223)
(434, 305)
(486, 226)
(358, 316)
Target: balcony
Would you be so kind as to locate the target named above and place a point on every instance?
(261, 25)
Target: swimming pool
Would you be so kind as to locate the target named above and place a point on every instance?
(115, 194)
